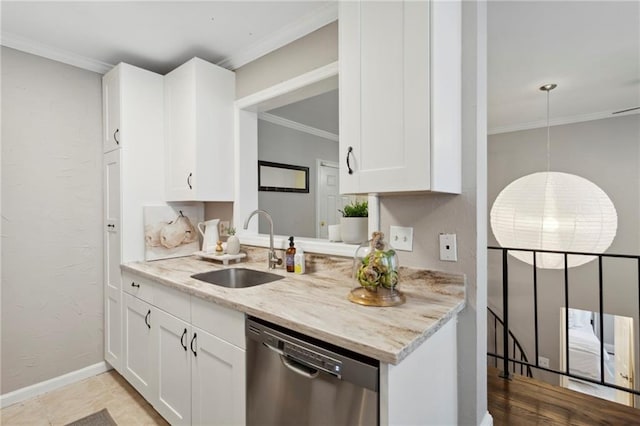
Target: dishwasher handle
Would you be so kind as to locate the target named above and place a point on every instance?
(294, 365)
(299, 368)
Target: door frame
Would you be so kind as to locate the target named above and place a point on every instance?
(319, 164)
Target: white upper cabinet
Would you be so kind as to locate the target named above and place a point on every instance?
(111, 110)
(400, 96)
(199, 118)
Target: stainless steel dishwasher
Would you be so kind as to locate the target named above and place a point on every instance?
(294, 379)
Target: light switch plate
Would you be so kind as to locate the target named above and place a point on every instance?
(448, 247)
(401, 238)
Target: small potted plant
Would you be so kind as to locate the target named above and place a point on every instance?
(233, 243)
(354, 222)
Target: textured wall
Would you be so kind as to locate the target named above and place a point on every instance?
(51, 219)
(312, 51)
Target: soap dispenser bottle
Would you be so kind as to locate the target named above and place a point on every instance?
(290, 256)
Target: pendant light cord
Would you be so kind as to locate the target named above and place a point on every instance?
(548, 137)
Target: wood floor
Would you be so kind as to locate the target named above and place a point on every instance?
(525, 401)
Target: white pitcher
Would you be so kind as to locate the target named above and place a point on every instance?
(209, 235)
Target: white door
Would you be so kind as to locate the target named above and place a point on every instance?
(111, 110)
(173, 398)
(625, 370)
(139, 358)
(218, 381)
(328, 198)
(112, 278)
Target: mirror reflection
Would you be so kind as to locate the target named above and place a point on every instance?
(303, 133)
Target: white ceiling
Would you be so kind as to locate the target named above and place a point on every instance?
(160, 35)
(320, 112)
(591, 49)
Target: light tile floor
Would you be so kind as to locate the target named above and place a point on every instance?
(72, 402)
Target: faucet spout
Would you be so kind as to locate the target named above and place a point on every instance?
(273, 257)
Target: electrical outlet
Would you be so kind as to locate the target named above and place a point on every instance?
(448, 248)
(543, 362)
(401, 238)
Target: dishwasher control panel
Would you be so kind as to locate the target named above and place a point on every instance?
(313, 359)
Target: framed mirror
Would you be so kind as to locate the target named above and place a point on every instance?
(280, 177)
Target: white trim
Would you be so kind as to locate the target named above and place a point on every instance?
(310, 245)
(288, 86)
(40, 49)
(297, 126)
(245, 148)
(309, 23)
(52, 384)
(558, 121)
(487, 420)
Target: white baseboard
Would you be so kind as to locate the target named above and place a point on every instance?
(487, 420)
(52, 384)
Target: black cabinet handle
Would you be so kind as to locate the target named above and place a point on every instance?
(111, 225)
(146, 318)
(193, 340)
(189, 180)
(183, 341)
(115, 136)
(133, 284)
(349, 152)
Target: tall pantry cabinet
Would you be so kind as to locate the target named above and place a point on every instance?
(133, 166)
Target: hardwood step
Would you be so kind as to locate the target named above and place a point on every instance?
(527, 401)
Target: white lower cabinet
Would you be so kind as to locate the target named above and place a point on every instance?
(138, 323)
(189, 375)
(220, 401)
(174, 356)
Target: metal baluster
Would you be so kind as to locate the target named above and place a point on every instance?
(601, 307)
(535, 303)
(566, 311)
(505, 314)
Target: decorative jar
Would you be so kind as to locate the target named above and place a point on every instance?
(375, 270)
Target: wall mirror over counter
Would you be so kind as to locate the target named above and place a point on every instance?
(278, 177)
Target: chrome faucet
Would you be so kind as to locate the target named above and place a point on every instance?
(273, 257)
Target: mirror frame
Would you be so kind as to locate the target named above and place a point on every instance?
(267, 188)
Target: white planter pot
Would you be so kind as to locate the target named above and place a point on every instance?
(233, 245)
(354, 229)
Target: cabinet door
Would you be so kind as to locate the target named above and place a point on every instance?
(111, 110)
(180, 134)
(173, 397)
(218, 381)
(139, 360)
(400, 101)
(111, 264)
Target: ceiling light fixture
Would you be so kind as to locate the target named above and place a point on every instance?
(553, 211)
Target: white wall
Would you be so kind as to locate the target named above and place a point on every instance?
(606, 152)
(51, 219)
(293, 213)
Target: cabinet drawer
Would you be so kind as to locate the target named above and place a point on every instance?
(222, 322)
(173, 301)
(138, 287)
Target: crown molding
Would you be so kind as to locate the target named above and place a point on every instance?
(297, 126)
(40, 49)
(557, 121)
(309, 23)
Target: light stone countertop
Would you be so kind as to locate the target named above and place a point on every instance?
(316, 303)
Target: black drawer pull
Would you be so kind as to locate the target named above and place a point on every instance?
(133, 284)
(183, 341)
(146, 319)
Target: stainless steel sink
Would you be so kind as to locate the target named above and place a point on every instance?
(237, 277)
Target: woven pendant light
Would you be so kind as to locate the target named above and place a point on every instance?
(554, 211)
